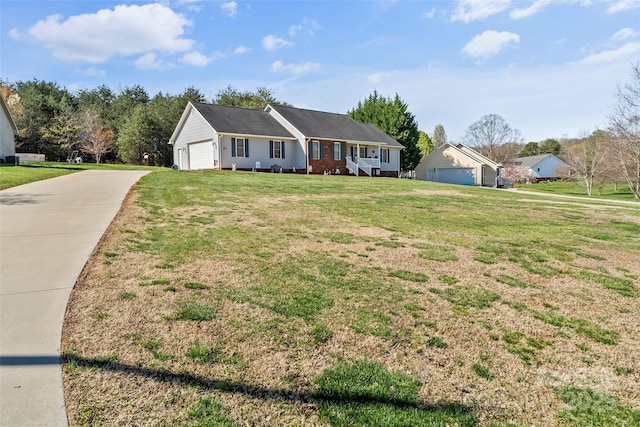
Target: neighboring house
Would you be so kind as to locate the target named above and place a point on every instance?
(212, 136)
(543, 167)
(458, 164)
(8, 131)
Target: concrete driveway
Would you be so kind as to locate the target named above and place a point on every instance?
(48, 230)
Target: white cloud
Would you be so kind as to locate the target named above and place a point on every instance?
(473, 10)
(625, 51)
(241, 50)
(197, 59)
(296, 69)
(624, 34)
(375, 78)
(230, 8)
(272, 42)
(125, 30)
(309, 25)
(622, 5)
(92, 72)
(148, 62)
(536, 7)
(293, 30)
(15, 34)
(430, 14)
(191, 4)
(489, 43)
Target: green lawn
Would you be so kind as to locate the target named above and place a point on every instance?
(609, 191)
(221, 298)
(26, 172)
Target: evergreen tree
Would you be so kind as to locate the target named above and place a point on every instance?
(392, 117)
(530, 149)
(439, 137)
(257, 100)
(424, 143)
(549, 146)
(136, 136)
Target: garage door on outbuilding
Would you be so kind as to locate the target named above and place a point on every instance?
(458, 164)
(201, 155)
(461, 176)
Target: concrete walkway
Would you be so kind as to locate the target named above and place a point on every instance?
(48, 230)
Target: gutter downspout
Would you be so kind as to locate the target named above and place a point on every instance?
(306, 153)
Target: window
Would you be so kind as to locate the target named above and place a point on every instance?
(384, 155)
(363, 152)
(337, 153)
(239, 147)
(276, 149)
(316, 150)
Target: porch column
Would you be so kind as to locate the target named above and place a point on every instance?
(358, 162)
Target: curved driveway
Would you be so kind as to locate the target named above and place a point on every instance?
(48, 230)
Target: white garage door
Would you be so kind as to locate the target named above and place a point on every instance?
(201, 155)
(462, 176)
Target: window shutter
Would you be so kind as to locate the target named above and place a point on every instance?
(246, 147)
(233, 147)
(282, 149)
(310, 150)
(271, 149)
(333, 150)
(320, 144)
(341, 151)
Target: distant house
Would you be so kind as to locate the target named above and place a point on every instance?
(458, 164)
(212, 136)
(8, 132)
(542, 167)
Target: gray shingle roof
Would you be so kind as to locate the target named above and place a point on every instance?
(241, 120)
(322, 125)
(529, 161)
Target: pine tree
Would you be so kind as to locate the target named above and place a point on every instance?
(393, 118)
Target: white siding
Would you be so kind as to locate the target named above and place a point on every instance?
(394, 161)
(298, 159)
(546, 168)
(259, 152)
(195, 129)
(7, 136)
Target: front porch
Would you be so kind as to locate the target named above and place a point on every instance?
(367, 165)
(350, 158)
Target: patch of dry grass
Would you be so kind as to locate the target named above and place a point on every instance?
(304, 273)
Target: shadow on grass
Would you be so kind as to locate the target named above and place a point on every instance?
(341, 402)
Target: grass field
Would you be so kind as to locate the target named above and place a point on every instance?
(26, 172)
(238, 299)
(608, 191)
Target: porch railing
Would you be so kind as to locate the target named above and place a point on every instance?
(352, 166)
(364, 164)
(373, 163)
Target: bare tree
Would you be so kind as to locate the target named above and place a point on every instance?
(493, 137)
(625, 124)
(586, 158)
(94, 139)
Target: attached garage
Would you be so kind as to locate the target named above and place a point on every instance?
(201, 155)
(461, 176)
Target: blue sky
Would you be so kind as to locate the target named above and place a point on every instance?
(549, 67)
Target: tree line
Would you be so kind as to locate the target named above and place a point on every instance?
(105, 125)
(130, 126)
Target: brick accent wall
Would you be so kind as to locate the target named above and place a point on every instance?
(326, 164)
